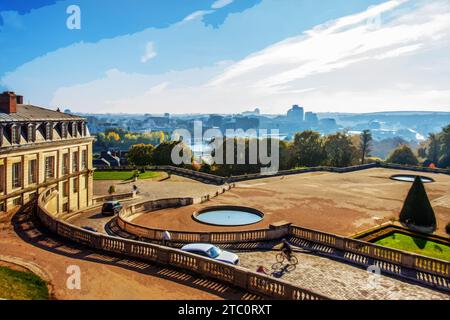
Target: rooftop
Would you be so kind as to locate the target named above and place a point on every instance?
(33, 113)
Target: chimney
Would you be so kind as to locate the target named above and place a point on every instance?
(8, 102)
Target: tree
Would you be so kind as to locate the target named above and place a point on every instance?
(417, 212)
(141, 154)
(339, 150)
(162, 155)
(444, 161)
(308, 149)
(365, 145)
(403, 155)
(113, 136)
(434, 148)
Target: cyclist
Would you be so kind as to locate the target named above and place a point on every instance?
(286, 249)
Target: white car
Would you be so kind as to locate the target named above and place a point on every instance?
(211, 251)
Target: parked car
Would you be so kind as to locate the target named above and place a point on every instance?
(211, 251)
(111, 208)
(88, 228)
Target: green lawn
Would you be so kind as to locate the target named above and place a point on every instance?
(416, 245)
(123, 175)
(18, 285)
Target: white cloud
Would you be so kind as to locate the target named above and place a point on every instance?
(345, 65)
(197, 15)
(150, 52)
(333, 46)
(221, 3)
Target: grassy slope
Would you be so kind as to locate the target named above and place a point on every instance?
(123, 175)
(416, 245)
(18, 285)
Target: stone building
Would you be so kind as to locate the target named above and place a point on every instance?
(41, 148)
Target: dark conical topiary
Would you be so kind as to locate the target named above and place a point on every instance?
(417, 211)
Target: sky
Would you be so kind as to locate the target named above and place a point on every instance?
(228, 56)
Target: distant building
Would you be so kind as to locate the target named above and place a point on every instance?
(255, 112)
(311, 117)
(296, 113)
(111, 158)
(328, 122)
(100, 163)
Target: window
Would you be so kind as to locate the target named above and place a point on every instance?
(2, 206)
(2, 178)
(17, 201)
(74, 129)
(83, 159)
(17, 175)
(48, 131)
(86, 182)
(15, 134)
(75, 161)
(65, 164)
(32, 196)
(63, 130)
(75, 185)
(65, 207)
(49, 167)
(65, 189)
(32, 171)
(31, 133)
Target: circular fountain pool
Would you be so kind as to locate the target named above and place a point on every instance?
(228, 216)
(410, 178)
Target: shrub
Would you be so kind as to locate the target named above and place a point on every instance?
(111, 189)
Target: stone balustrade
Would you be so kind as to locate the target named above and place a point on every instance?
(204, 267)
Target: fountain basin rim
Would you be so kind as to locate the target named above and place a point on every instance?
(254, 211)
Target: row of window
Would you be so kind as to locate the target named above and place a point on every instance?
(29, 131)
(75, 185)
(49, 169)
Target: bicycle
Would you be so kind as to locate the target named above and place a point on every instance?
(292, 261)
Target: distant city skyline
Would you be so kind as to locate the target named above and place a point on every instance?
(225, 56)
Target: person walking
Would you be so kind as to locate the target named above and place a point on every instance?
(166, 238)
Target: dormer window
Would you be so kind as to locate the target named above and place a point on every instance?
(48, 131)
(31, 133)
(81, 128)
(15, 134)
(74, 130)
(63, 130)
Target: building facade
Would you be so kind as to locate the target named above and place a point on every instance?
(41, 148)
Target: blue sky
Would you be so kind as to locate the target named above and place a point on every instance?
(185, 56)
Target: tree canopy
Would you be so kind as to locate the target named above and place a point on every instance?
(403, 155)
(308, 149)
(141, 154)
(340, 150)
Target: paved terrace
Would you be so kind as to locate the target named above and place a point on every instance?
(338, 280)
(340, 203)
(148, 190)
(358, 200)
